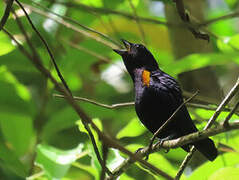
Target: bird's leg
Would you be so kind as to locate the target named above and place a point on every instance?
(159, 143)
(138, 150)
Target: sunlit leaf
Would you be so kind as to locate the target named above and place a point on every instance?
(133, 128)
(5, 44)
(124, 176)
(18, 131)
(231, 3)
(207, 169)
(8, 77)
(114, 159)
(197, 61)
(56, 162)
(10, 161)
(225, 173)
(228, 44)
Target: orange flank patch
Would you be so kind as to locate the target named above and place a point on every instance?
(146, 78)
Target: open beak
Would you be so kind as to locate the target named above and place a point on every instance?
(127, 46)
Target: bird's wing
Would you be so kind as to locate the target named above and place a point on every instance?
(170, 86)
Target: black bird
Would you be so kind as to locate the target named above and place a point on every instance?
(157, 96)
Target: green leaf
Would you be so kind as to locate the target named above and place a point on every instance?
(231, 3)
(208, 168)
(124, 176)
(114, 159)
(196, 61)
(82, 128)
(133, 128)
(5, 44)
(90, 169)
(63, 119)
(56, 162)
(225, 173)
(10, 161)
(17, 130)
(8, 77)
(228, 44)
(94, 161)
(154, 159)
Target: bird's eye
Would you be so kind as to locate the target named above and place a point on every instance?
(137, 46)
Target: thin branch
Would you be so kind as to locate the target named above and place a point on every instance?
(219, 109)
(65, 85)
(205, 29)
(226, 100)
(74, 28)
(46, 46)
(21, 48)
(103, 165)
(175, 143)
(113, 106)
(126, 104)
(226, 121)
(6, 13)
(86, 119)
(185, 18)
(140, 27)
(79, 24)
(167, 122)
(22, 29)
(211, 21)
(87, 51)
(108, 11)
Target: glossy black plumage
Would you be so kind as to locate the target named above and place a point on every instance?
(156, 100)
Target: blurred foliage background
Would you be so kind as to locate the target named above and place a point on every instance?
(41, 135)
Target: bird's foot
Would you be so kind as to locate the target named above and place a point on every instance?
(138, 150)
(160, 143)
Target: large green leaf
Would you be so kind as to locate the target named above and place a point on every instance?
(56, 162)
(17, 130)
(5, 44)
(133, 128)
(207, 169)
(10, 161)
(225, 173)
(197, 61)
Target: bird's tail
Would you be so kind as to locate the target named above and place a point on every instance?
(207, 148)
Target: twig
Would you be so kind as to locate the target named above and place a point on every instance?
(226, 121)
(92, 53)
(65, 85)
(141, 30)
(126, 104)
(103, 165)
(85, 119)
(74, 28)
(113, 106)
(175, 143)
(225, 101)
(21, 48)
(211, 21)
(35, 176)
(22, 29)
(167, 122)
(47, 47)
(84, 123)
(6, 13)
(83, 7)
(79, 24)
(185, 18)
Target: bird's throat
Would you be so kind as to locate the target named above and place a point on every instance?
(146, 78)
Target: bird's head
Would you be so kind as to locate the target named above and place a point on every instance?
(137, 56)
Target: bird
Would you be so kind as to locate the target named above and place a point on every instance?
(157, 96)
